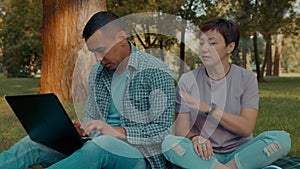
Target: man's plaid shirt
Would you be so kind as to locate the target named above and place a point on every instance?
(147, 105)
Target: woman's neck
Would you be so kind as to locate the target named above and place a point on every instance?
(218, 72)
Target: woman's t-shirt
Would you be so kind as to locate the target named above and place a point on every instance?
(237, 90)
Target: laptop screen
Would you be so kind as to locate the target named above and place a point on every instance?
(46, 121)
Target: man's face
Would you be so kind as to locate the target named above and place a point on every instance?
(106, 49)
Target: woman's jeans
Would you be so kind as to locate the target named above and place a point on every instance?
(256, 153)
(101, 152)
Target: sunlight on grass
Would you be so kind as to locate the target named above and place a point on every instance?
(11, 86)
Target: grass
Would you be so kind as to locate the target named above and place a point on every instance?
(10, 129)
(279, 108)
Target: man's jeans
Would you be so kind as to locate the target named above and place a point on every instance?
(101, 152)
(259, 152)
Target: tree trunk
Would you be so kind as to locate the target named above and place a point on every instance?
(277, 54)
(147, 38)
(244, 52)
(146, 43)
(63, 22)
(268, 54)
(182, 48)
(161, 49)
(259, 75)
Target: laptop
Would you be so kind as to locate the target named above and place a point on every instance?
(46, 121)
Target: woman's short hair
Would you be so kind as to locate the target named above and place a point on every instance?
(228, 29)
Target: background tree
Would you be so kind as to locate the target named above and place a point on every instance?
(271, 22)
(20, 36)
(290, 60)
(189, 12)
(21, 22)
(146, 40)
(255, 18)
(127, 7)
(239, 11)
(289, 45)
(63, 22)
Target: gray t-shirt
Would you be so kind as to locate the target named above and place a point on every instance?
(237, 90)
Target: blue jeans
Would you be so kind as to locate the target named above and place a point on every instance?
(101, 152)
(253, 154)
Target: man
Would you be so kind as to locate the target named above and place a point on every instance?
(129, 110)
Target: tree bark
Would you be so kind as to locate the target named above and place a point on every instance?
(244, 52)
(259, 75)
(268, 54)
(182, 48)
(63, 22)
(277, 54)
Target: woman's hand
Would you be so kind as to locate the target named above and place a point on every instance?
(202, 147)
(195, 103)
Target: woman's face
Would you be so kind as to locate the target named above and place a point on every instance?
(213, 48)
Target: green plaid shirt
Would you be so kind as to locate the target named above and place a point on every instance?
(147, 105)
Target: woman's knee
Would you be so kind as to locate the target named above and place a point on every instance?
(177, 147)
(284, 140)
(280, 140)
(179, 151)
(170, 142)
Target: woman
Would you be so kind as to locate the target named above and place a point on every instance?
(217, 108)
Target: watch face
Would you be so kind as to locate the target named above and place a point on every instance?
(213, 107)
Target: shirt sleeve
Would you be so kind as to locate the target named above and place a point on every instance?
(250, 97)
(183, 87)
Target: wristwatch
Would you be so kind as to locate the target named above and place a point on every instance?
(213, 107)
(194, 135)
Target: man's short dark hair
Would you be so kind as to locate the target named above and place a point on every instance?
(228, 29)
(101, 20)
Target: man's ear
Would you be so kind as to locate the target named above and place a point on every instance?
(121, 35)
(230, 47)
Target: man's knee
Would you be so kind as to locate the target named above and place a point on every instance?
(104, 138)
(28, 144)
(106, 141)
(117, 146)
(27, 140)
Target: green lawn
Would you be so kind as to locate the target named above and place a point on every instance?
(279, 108)
(10, 128)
